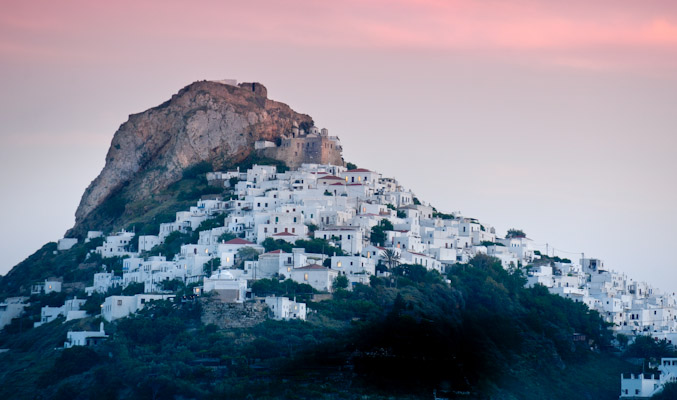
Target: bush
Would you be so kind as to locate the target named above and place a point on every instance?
(73, 361)
(515, 234)
(341, 282)
(196, 170)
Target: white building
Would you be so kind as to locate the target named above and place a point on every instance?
(228, 288)
(66, 243)
(283, 308)
(11, 308)
(646, 385)
(317, 276)
(115, 307)
(85, 338)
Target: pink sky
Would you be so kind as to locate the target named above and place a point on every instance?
(603, 33)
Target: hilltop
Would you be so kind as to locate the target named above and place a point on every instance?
(213, 123)
(226, 251)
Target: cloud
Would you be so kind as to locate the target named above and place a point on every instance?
(81, 30)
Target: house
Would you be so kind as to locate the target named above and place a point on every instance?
(11, 308)
(147, 242)
(360, 175)
(282, 308)
(115, 307)
(117, 245)
(644, 386)
(46, 287)
(70, 310)
(348, 238)
(226, 286)
(319, 277)
(85, 338)
(66, 243)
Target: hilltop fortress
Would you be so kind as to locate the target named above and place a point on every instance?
(314, 146)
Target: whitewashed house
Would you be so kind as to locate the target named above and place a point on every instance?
(228, 288)
(282, 308)
(115, 307)
(319, 277)
(85, 338)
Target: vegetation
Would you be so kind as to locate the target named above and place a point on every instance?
(443, 215)
(340, 282)
(378, 232)
(351, 166)
(72, 265)
(288, 288)
(484, 334)
(515, 234)
(317, 246)
(254, 158)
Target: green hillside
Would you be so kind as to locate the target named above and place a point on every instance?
(483, 335)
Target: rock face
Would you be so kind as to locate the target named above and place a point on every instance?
(205, 121)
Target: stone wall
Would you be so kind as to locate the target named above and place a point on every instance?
(313, 149)
(232, 315)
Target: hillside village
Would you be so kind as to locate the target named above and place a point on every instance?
(368, 223)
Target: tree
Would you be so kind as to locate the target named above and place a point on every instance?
(270, 244)
(226, 237)
(515, 234)
(378, 236)
(247, 254)
(351, 166)
(391, 258)
(341, 282)
(133, 288)
(669, 392)
(211, 265)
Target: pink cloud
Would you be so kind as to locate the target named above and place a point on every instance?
(81, 28)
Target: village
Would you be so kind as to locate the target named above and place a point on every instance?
(372, 221)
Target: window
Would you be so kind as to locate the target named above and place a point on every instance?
(305, 277)
(119, 302)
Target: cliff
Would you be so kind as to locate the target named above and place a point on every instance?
(206, 121)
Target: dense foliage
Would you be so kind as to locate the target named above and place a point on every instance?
(406, 336)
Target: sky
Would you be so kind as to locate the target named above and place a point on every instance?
(555, 117)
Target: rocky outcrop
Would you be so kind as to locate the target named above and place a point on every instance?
(205, 121)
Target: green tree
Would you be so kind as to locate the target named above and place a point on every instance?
(247, 254)
(340, 282)
(390, 258)
(515, 234)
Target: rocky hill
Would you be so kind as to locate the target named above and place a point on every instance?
(206, 121)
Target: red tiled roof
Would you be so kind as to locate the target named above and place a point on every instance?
(337, 183)
(278, 251)
(284, 234)
(238, 241)
(332, 177)
(358, 170)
